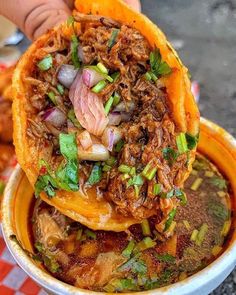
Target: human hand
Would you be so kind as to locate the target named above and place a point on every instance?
(35, 17)
(135, 4)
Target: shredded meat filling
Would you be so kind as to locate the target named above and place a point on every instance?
(147, 129)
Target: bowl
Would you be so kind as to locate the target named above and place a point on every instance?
(215, 143)
(9, 29)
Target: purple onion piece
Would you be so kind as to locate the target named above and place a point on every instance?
(114, 118)
(66, 75)
(91, 77)
(55, 117)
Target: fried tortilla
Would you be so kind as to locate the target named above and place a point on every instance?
(105, 125)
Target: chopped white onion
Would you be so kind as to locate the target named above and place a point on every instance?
(125, 117)
(85, 139)
(97, 152)
(114, 118)
(129, 106)
(91, 77)
(55, 117)
(66, 75)
(110, 137)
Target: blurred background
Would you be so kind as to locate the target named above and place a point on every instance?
(204, 34)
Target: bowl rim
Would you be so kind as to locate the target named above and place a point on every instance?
(226, 261)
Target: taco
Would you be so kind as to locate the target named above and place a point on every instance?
(105, 125)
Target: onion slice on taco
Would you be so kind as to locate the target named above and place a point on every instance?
(105, 125)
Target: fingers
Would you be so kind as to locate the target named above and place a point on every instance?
(135, 4)
(44, 17)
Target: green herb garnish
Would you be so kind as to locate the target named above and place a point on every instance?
(119, 285)
(71, 116)
(170, 219)
(99, 86)
(66, 176)
(201, 234)
(165, 258)
(96, 174)
(146, 243)
(46, 63)
(181, 143)
(136, 180)
(116, 99)
(129, 249)
(192, 141)
(90, 234)
(158, 66)
(102, 68)
(74, 51)
(181, 196)
(218, 210)
(156, 189)
(47, 184)
(108, 105)
(115, 76)
(149, 171)
(146, 228)
(52, 97)
(169, 155)
(112, 40)
(60, 89)
(219, 182)
(119, 146)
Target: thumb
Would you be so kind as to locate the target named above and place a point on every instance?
(44, 17)
(135, 4)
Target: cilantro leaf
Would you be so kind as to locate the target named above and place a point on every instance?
(66, 176)
(68, 146)
(96, 174)
(158, 66)
(45, 183)
(169, 155)
(192, 141)
(139, 267)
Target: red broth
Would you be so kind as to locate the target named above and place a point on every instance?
(140, 258)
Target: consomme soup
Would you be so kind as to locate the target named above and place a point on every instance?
(140, 258)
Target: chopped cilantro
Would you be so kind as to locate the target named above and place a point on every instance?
(129, 248)
(96, 174)
(165, 258)
(169, 155)
(74, 51)
(119, 146)
(170, 219)
(191, 140)
(136, 180)
(90, 234)
(112, 40)
(219, 182)
(66, 176)
(158, 66)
